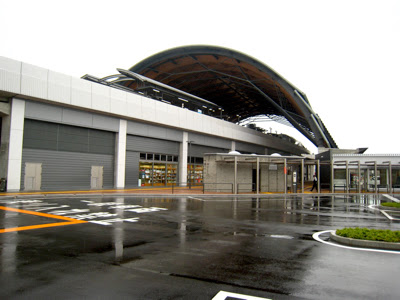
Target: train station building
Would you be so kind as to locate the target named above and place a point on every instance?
(149, 125)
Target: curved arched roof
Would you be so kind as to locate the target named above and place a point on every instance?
(242, 85)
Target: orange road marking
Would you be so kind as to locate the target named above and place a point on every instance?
(70, 220)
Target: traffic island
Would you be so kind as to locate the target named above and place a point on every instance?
(364, 243)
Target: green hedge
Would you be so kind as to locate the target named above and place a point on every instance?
(370, 234)
(391, 204)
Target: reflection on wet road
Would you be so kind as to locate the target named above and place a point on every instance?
(192, 247)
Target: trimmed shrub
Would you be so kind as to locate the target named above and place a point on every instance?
(391, 204)
(370, 234)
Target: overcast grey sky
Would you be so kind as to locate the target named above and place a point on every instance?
(344, 54)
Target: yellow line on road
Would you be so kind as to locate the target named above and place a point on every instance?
(70, 221)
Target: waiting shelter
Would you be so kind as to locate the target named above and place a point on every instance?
(236, 173)
(365, 173)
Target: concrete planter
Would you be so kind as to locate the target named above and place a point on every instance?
(364, 243)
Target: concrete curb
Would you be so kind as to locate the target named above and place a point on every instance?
(381, 207)
(364, 243)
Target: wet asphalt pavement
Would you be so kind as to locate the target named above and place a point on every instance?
(137, 247)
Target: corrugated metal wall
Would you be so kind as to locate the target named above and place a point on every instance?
(67, 154)
(68, 170)
(131, 169)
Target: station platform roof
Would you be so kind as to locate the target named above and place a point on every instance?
(243, 86)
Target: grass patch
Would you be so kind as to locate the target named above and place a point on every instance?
(370, 234)
(391, 204)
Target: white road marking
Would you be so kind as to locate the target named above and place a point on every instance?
(318, 239)
(222, 295)
(391, 198)
(384, 212)
(277, 236)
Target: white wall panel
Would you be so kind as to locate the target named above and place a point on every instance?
(149, 110)
(10, 75)
(195, 121)
(34, 81)
(59, 86)
(173, 115)
(81, 93)
(101, 97)
(161, 112)
(118, 104)
(182, 116)
(134, 103)
(207, 126)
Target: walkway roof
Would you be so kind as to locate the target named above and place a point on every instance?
(240, 84)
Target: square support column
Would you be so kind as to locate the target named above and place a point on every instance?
(233, 146)
(183, 162)
(120, 155)
(15, 145)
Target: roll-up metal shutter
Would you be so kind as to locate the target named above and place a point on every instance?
(131, 169)
(143, 144)
(68, 170)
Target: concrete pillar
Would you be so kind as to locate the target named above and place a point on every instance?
(15, 145)
(332, 176)
(302, 176)
(359, 177)
(318, 176)
(183, 154)
(376, 176)
(233, 146)
(285, 175)
(5, 141)
(390, 177)
(120, 155)
(258, 176)
(347, 177)
(235, 181)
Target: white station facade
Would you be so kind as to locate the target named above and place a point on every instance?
(64, 133)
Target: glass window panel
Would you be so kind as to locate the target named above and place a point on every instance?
(159, 174)
(172, 174)
(145, 174)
